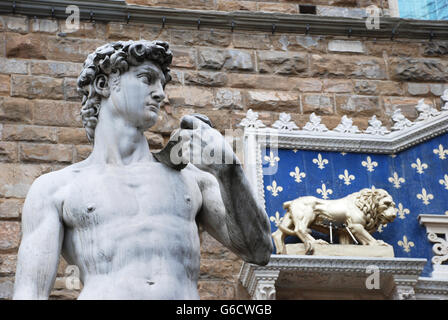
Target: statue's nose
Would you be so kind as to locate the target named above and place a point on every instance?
(158, 96)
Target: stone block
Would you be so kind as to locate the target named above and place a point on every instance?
(206, 38)
(234, 5)
(82, 152)
(217, 59)
(4, 84)
(8, 264)
(36, 87)
(190, 97)
(418, 69)
(286, 63)
(435, 48)
(16, 23)
(320, 104)
(8, 151)
(44, 25)
(273, 100)
(358, 106)
(338, 86)
(15, 110)
(40, 152)
(9, 235)
(16, 179)
(55, 69)
(9, 66)
(251, 41)
(205, 78)
(377, 87)
(57, 113)
(228, 98)
(29, 133)
(71, 136)
(184, 57)
(28, 46)
(10, 208)
(290, 8)
(345, 46)
(286, 42)
(348, 66)
(417, 89)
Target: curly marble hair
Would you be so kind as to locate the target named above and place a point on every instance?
(115, 58)
(367, 201)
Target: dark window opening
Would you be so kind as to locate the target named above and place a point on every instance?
(307, 9)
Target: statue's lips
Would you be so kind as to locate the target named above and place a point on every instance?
(152, 108)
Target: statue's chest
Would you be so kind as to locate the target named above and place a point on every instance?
(101, 197)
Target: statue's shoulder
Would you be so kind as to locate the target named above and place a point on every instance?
(51, 183)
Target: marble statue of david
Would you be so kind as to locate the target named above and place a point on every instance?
(128, 221)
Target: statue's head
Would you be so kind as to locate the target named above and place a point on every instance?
(131, 75)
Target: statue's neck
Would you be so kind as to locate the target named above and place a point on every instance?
(117, 142)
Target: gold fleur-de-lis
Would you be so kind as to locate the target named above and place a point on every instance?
(274, 188)
(396, 180)
(276, 219)
(294, 150)
(402, 211)
(441, 151)
(419, 166)
(369, 164)
(446, 212)
(324, 191)
(343, 153)
(271, 159)
(444, 181)
(425, 196)
(320, 161)
(346, 177)
(393, 156)
(406, 244)
(297, 175)
(381, 227)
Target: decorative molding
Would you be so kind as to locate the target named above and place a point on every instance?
(251, 120)
(284, 123)
(347, 137)
(437, 231)
(346, 126)
(119, 10)
(429, 288)
(444, 98)
(425, 111)
(315, 125)
(403, 272)
(376, 127)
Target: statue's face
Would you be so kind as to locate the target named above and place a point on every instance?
(139, 93)
(387, 209)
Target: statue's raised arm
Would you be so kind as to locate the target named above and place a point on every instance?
(230, 211)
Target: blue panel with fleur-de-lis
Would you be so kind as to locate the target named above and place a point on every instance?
(416, 178)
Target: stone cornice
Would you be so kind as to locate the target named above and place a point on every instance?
(347, 137)
(404, 271)
(119, 10)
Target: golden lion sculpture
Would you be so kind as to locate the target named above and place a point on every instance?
(353, 217)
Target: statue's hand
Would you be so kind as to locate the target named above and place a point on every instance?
(204, 146)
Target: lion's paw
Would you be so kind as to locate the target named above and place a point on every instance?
(382, 243)
(320, 241)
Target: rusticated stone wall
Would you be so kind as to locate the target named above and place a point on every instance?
(323, 7)
(215, 72)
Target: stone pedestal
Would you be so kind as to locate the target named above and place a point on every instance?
(342, 250)
(330, 277)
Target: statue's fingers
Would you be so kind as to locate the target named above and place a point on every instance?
(195, 121)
